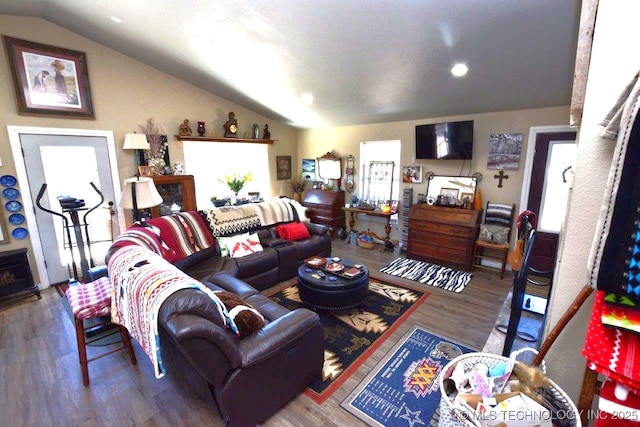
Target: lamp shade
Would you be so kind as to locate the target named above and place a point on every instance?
(135, 141)
(146, 194)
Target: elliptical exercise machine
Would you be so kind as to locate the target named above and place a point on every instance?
(71, 208)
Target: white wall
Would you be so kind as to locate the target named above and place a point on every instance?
(614, 60)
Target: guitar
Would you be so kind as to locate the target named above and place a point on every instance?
(515, 257)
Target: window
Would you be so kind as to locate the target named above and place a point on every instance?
(379, 151)
(209, 162)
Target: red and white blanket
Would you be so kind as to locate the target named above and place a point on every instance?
(142, 280)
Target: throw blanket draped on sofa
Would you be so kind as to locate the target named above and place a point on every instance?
(230, 220)
(140, 288)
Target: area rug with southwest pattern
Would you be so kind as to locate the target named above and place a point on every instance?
(404, 387)
(445, 278)
(353, 335)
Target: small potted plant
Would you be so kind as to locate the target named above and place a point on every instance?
(297, 186)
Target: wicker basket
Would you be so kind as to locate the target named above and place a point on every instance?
(366, 245)
(450, 417)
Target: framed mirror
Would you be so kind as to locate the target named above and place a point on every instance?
(451, 189)
(329, 166)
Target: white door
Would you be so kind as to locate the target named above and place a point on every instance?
(68, 164)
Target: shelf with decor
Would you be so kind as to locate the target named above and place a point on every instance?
(174, 189)
(216, 139)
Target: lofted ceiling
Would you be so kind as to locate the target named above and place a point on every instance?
(361, 61)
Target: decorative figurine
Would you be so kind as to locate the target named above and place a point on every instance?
(201, 129)
(266, 134)
(185, 129)
(231, 126)
(178, 168)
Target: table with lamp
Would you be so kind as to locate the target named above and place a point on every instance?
(139, 193)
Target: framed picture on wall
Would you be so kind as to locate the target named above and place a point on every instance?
(309, 169)
(412, 174)
(49, 80)
(283, 167)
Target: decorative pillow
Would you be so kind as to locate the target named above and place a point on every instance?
(241, 245)
(247, 319)
(293, 231)
(222, 244)
(493, 233)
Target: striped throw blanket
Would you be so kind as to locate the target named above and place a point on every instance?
(229, 220)
(142, 280)
(173, 236)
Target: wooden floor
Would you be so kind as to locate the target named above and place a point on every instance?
(41, 383)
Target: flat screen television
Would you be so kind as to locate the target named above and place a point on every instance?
(453, 140)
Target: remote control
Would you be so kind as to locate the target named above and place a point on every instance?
(321, 274)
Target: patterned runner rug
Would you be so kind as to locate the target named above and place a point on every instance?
(404, 388)
(351, 336)
(446, 278)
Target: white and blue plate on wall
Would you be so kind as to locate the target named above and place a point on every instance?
(16, 219)
(8, 180)
(20, 233)
(13, 206)
(10, 193)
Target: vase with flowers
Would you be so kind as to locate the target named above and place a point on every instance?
(236, 182)
(157, 146)
(297, 186)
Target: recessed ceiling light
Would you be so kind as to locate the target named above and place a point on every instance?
(307, 98)
(116, 19)
(459, 70)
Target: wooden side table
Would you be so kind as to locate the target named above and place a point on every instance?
(387, 215)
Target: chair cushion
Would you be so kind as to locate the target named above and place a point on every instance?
(498, 214)
(91, 299)
(493, 233)
(293, 231)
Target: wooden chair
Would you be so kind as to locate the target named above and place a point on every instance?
(90, 301)
(495, 215)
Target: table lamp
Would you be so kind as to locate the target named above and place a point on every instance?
(139, 193)
(138, 142)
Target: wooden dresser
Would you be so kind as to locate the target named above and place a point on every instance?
(325, 207)
(443, 236)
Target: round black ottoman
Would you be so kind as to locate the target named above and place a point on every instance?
(327, 294)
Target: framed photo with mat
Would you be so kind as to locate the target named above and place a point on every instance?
(48, 80)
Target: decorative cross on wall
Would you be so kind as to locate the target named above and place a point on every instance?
(500, 177)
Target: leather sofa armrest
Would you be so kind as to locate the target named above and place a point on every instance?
(190, 327)
(275, 336)
(97, 272)
(318, 229)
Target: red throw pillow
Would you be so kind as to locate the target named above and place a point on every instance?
(293, 231)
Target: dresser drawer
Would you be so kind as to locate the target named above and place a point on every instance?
(437, 227)
(438, 239)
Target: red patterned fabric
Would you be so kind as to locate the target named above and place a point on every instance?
(142, 281)
(293, 231)
(612, 352)
(173, 236)
(617, 406)
(90, 299)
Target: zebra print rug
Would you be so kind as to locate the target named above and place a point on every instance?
(446, 278)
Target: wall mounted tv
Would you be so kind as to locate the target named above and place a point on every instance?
(453, 140)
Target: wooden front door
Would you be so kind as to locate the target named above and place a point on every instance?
(551, 179)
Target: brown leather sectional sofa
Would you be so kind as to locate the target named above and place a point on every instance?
(249, 378)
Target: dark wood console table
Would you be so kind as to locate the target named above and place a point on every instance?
(387, 215)
(443, 236)
(15, 273)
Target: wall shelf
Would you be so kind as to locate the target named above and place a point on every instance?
(215, 139)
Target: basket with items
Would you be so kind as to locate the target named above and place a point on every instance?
(487, 390)
(366, 242)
